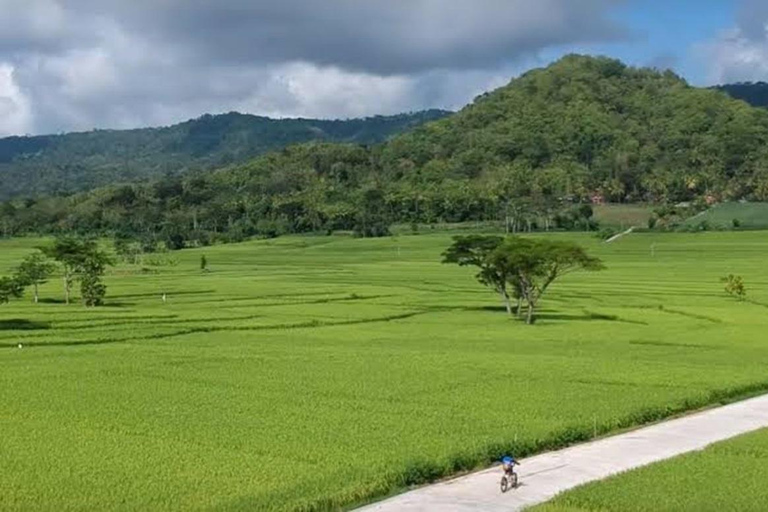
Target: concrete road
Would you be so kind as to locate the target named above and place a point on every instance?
(548, 474)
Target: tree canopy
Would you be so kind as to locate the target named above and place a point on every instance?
(10, 287)
(527, 266)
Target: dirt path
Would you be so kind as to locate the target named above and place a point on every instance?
(620, 235)
(545, 475)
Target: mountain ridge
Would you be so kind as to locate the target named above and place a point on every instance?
(754, 93)
(71, 162)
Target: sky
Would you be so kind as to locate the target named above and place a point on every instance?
(74, 65)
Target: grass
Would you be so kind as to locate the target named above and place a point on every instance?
(722, 216)
(622, 216)
(312, 373)
(726, 476)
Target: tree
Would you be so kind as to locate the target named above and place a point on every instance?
(128, 249)
(372, 218)
(536, 264)
(10, 287)
(475, 250)
(92, 290)
(34, 270)
(79, 256)
(70, 252)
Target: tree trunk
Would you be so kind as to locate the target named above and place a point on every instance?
(519, 306)
(507, 304)
(37, 296)
(530, 319)
(67, 286)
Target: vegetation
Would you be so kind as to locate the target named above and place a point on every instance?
(732, 215)
(726, 476)
(734, 286)
(526, 266)
(10, 287)
(535, 264)
(60, 164)
(80, 258)
(532, 155)
(622, 216)
(362, 362)
(34, 271)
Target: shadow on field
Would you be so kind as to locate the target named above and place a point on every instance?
(75, 301)
(48, 300)
(117, 304)
(18, 324)
(586, 317)
(756, 303)
(170, 293)
(545, 315)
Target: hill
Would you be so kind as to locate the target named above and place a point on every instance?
(55, 164)
(530, 154)
(589, 125)
(754, 93)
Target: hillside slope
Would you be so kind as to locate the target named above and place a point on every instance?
(32, 166)
(584, 129)
(587, 125)
(754, 93)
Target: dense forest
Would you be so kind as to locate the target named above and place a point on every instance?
(57, 164)
(534, 153)
(754, 93)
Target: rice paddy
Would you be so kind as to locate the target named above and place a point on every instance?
(315, 373)
(726, 476)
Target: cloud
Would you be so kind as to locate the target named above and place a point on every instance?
(15, 114)
(740, 53)
(111, 63)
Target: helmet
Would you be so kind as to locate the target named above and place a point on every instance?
(507, 460)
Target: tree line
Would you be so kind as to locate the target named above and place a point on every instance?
(80, 260)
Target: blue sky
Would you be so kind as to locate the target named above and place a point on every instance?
(672, 29)
(81, 64)
(665, 34)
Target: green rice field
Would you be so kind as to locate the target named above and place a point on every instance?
(316, 373)
(727, 476)
(730, 215)
(622, 216)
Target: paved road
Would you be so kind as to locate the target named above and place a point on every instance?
(545, 475)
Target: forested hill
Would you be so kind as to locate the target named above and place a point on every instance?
(588, 124)
(533, 151)
(33, 166)
(754, 93)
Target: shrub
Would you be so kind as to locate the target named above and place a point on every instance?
(734, 286)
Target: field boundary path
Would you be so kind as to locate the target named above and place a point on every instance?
(620, 235)
(544, 476)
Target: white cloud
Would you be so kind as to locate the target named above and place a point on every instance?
(734, 57)
(740, 53)
(15, 112)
